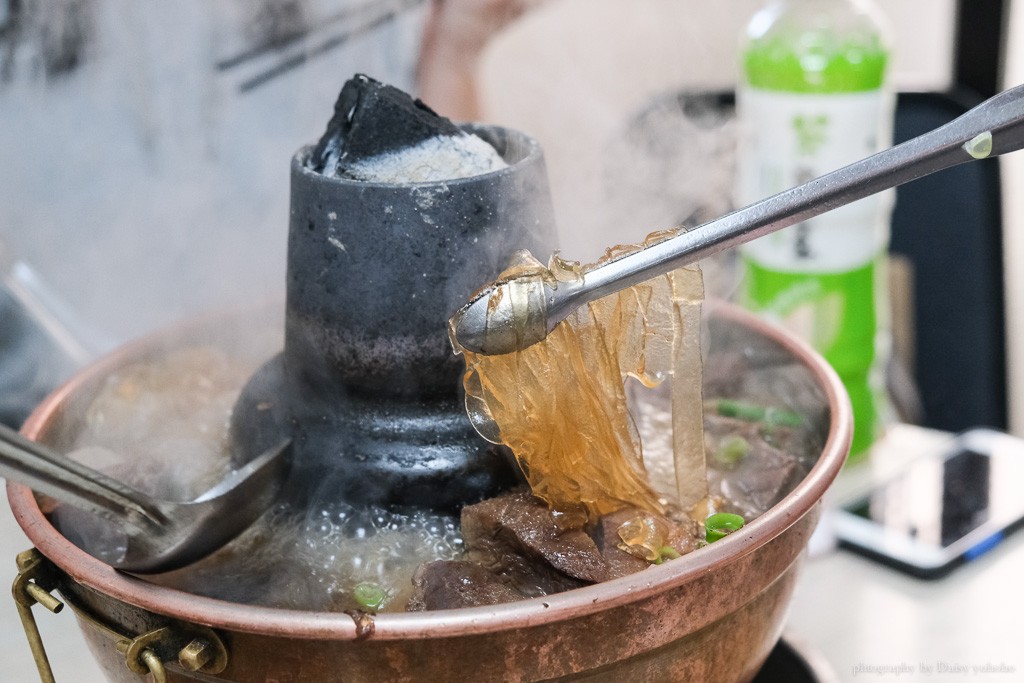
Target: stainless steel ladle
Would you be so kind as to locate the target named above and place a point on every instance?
(512, 314)
(161, 535)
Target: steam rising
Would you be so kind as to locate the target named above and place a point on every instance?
(161, 427)
(160, 424)
(169, 189)
(139, 182)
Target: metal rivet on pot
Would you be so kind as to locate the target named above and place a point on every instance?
(196, 655)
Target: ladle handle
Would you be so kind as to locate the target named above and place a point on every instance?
(71, 482)
(961, 140)
(42, 308)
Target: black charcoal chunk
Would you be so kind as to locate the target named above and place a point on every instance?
(371, 119)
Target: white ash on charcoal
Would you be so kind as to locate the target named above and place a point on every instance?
(380, 134)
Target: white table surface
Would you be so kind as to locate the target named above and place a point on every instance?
(873, 623)
(860, 616)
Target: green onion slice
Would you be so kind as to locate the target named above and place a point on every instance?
(750, 412)
(369, 595)
(731, 451)
(721, 524)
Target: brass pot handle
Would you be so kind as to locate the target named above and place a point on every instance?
(190, 646)
(33, 585)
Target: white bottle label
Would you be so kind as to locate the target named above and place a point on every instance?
(790, 138)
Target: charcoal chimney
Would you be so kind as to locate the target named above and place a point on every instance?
(367, 385)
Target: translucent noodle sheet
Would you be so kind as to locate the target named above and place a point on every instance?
(687, 386)
(560, 405)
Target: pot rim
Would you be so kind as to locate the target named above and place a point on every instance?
(91, 572)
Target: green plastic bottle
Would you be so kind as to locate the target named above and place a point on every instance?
(812, 98)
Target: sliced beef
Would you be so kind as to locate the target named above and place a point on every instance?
(518, 549)
(515, 535)
(760, 479)
(723, 372)
(449, 584)
(680, 537)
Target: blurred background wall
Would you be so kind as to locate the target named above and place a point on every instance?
(1013, 235)
(145, 146)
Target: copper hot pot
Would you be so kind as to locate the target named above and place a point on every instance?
(713, 615)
